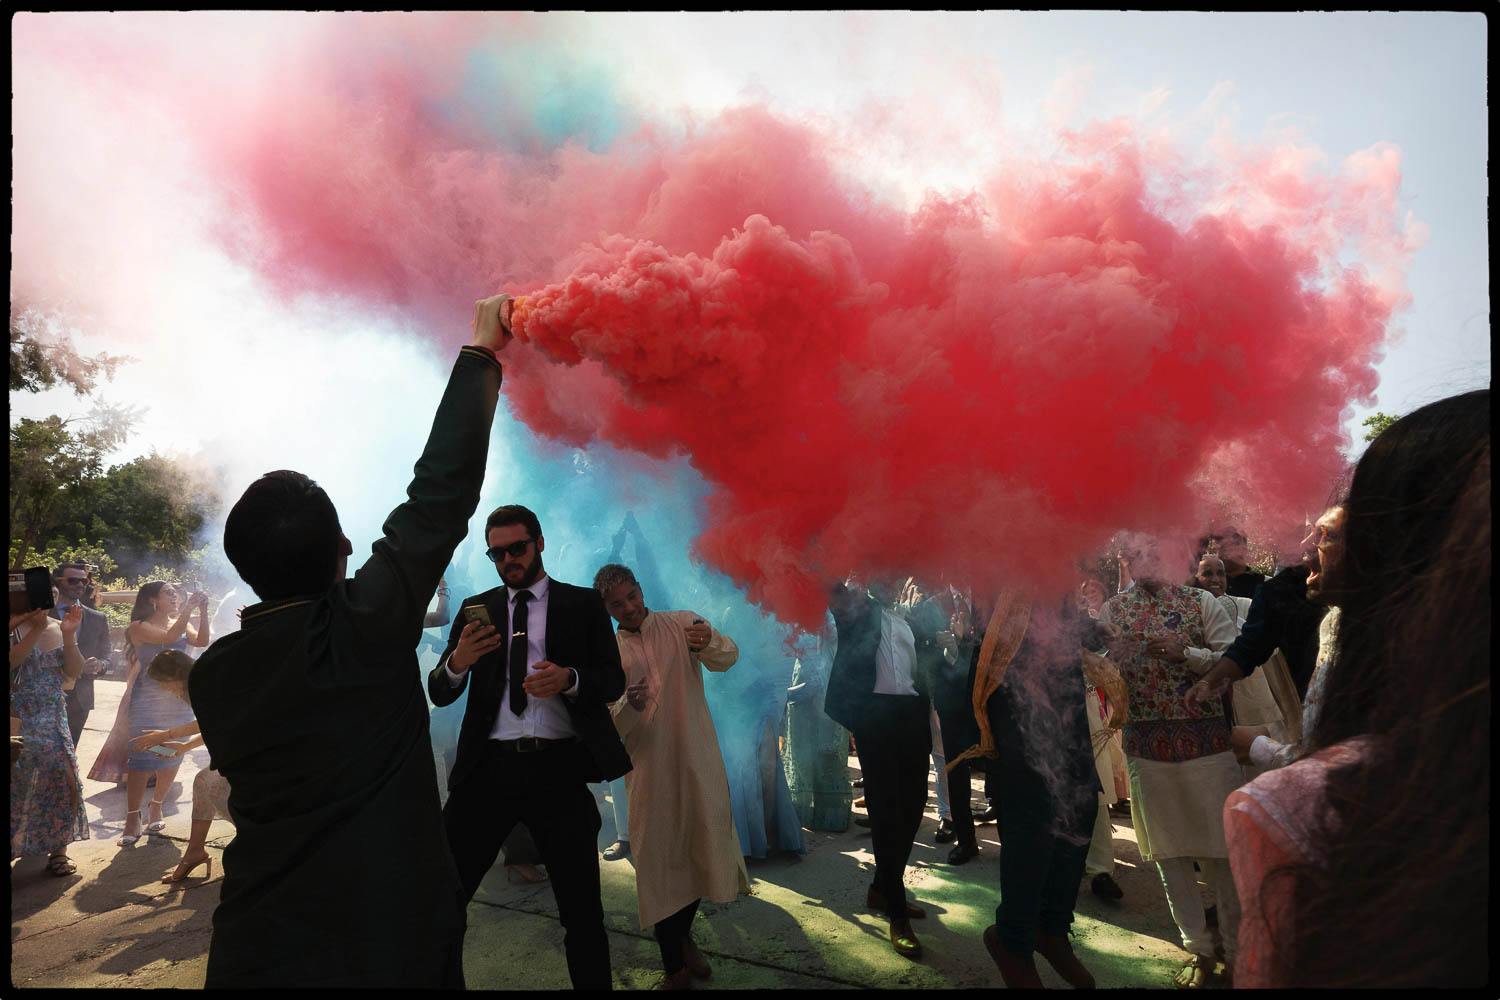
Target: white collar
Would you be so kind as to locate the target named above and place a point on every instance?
(538, 589)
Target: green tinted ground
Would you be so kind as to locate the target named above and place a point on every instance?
(805, 925)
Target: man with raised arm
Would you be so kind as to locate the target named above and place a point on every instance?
(339, 874)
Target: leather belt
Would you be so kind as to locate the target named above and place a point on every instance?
(532, 744)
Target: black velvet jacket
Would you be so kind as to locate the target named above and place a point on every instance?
(579, 636)
(339, 873)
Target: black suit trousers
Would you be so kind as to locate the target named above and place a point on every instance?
(894, 749)
(546, 791)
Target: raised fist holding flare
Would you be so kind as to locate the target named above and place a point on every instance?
(491, 324)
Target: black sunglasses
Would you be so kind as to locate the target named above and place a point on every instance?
(513, 549)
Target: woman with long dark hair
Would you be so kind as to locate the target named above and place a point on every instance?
(1366, 862)
(158, 621)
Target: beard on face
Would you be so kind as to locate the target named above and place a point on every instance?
(527, 578)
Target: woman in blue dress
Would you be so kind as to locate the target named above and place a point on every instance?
(46, 795)
(158, 621)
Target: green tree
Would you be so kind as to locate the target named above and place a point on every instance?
(49, 459)
(1377, 423)
(42, 355)
(149, 508)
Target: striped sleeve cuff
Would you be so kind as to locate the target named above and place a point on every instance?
(480, 352)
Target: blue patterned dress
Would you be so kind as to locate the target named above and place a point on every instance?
(46, 795)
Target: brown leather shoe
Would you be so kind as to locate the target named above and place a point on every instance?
(682, 979)
(1019, 973)
(904, 940)
(693, 960)
(1058, 951)
(875, 900)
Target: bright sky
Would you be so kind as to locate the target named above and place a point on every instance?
(961, 86)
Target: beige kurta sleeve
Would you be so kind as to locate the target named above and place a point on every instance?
(721, 653)
(625, 717)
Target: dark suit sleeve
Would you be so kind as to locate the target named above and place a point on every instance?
(601, 679)
(96, 643)
(388, 596)
(1257, 640)
(438, 689)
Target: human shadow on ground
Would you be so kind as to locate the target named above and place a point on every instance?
(33, 889)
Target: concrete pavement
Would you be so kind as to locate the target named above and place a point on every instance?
(804, 926)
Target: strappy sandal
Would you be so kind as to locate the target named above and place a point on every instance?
(159, 825)
(128, 839)
(183, 870)
(1196, 974)
(60, 865)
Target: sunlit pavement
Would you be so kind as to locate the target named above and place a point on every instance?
(804, 926)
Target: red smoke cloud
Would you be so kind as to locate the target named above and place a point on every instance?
(1116, 336)
(985, 389)
(982, 394)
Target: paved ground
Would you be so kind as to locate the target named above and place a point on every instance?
(803, 926)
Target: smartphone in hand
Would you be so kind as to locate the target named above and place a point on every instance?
(477, 613)
(162, 751)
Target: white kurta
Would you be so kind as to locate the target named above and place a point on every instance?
(1253, 703)
(682, 834)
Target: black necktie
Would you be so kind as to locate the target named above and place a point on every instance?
(518, 653)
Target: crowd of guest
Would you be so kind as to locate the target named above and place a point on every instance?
(1312, 766)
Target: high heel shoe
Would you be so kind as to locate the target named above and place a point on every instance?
(128, 839)
(159, 825)
(180, 873)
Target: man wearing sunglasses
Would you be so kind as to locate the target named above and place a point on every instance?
(72, 581)
(544, 667)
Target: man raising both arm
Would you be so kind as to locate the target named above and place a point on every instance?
(339, 874)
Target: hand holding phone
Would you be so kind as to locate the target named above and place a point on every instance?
(477, 639)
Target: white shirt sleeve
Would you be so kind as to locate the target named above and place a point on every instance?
(1218, 632)
(454, 680)
(1267, 754)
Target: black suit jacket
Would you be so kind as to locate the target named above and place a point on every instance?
(850, 698)
(579, 636)
(314, 713)
(93, 643)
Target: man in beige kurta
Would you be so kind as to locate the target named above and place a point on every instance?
(682, 834)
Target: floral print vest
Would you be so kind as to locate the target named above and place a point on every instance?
(1160, 726)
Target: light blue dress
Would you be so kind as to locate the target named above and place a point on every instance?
(154, 707)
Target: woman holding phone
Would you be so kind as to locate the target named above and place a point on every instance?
(158, 621)
(46, 797)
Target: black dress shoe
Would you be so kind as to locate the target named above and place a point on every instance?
(945, 832)
(1105, 887)
(858, 782)
(619, 849)
(989, 815)
(962, 853)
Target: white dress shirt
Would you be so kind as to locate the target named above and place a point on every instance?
(896, 656)
(544, 718)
